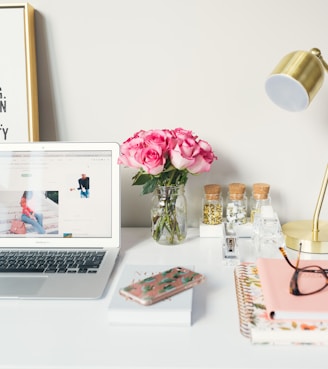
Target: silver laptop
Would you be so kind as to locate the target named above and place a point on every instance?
(59, 219)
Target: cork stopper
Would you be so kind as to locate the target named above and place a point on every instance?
(236, 191)
(261, 190)
(212, 191)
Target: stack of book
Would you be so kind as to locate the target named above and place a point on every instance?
(269, 314)
(174, 311)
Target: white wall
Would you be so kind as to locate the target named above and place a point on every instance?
(109, 68)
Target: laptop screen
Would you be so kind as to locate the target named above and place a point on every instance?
(61, 193)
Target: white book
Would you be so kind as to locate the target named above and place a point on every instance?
(175, 311)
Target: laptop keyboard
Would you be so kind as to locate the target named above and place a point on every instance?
(50, 261)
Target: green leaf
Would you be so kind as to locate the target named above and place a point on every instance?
(169, 176)
(141, 178)
(147, 280)
(166, 288)
(147, 288)
(166, 280)
(150, 186)
(166, 272)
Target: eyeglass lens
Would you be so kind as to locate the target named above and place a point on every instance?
(311, 279)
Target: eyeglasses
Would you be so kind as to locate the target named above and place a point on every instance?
(308, 280)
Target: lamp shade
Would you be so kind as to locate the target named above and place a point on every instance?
(295, 81)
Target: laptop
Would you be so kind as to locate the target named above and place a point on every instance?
(59, 219)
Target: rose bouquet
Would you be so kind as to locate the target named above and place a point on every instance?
(165, 158)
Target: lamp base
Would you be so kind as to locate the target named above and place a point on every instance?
(301, 232)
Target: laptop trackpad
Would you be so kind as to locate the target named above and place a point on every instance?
(16, 286)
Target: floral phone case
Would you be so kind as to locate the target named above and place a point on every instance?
(162, 285)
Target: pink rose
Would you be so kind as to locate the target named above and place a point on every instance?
(129, 150)
(181, 156)
(158, 137)
(189, 154)
(183, 149)
(151, 158)
(182, 134)
(156, 151)
(203, 160)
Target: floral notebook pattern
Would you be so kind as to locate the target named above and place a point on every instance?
(254, 322)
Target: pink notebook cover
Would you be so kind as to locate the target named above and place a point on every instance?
(275, 275)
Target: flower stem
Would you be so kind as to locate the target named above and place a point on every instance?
(171, 178)
(165, 223)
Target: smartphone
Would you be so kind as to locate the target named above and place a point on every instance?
(161, 286)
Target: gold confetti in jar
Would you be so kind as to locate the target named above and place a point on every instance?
(212, 205)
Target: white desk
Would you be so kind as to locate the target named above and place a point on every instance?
(76, 334)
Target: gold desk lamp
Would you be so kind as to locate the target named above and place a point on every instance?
(292, 85)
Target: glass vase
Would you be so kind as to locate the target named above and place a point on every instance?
(169, 215)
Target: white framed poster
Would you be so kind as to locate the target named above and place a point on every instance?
(19, 115)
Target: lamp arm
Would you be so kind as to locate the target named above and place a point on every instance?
(315, 222)
(317, 53)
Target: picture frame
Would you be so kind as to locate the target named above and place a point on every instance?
(19, 113)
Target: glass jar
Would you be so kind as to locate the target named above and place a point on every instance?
(236, 204)
(212, 205)
(169, 215)
(260, 197)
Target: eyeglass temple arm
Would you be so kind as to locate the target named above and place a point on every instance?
(281, 249)
(315, 221)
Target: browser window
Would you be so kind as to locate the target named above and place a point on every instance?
(67, 191)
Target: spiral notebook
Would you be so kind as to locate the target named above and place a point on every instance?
(281, 304)
(255, 323)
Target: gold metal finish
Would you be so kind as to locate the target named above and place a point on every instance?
(306, 70)
(317, 53)
(32, 85)
(31, 69)
(312, 234)
(306, 67)
(301, 232)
